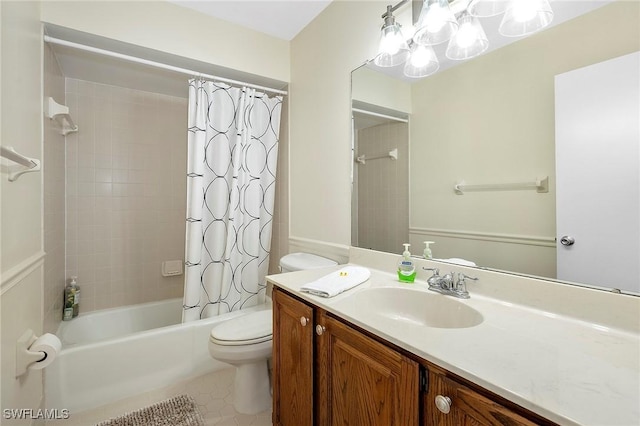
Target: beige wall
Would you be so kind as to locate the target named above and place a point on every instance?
(378, 89)
(491, 120)
(323, 55)
(125, 193)
(173, 29)
(53, 176)
(321, 62)
(21, 244)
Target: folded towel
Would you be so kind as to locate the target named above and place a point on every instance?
(458, 261)
(338, 281)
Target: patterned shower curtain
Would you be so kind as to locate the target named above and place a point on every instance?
(231, 171)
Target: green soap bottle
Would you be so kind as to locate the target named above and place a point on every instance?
(406, 267)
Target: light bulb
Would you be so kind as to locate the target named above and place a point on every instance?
(422, 62)
(420, 56)
(436, 18)
(525, 17)
(469, 41)
(436, 24)
(466, 35)
(391, 42)
(524, 10)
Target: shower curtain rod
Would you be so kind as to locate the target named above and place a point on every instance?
(129, 58)
(376, 114)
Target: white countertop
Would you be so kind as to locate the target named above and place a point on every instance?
(568, 370)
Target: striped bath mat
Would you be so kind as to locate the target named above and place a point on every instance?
(178, 411)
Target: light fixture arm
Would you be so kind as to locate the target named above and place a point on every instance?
(391, 9)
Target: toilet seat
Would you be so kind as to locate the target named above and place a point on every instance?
(249, 329)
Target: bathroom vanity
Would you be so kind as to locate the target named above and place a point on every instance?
(386, 353)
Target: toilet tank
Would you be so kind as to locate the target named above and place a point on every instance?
(301, 261)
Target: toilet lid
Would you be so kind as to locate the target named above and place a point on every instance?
(255, 327)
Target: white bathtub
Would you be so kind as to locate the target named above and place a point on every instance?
(116, 353)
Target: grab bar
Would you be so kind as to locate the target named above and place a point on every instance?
(31, 164)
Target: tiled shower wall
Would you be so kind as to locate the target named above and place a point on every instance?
(383, 188)
(125, 193)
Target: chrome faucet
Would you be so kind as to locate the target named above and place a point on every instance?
(445, 284)
(461, 286)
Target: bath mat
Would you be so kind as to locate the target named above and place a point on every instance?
(178, 411)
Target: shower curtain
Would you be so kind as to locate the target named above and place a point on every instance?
(232, 158)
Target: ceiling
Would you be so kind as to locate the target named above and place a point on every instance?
(281, 19)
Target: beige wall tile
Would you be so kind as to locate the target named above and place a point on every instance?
(116, 206)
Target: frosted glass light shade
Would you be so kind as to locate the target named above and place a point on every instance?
(486, 8)
(393, 49)
(422, 62)
(525, 17)
(469, 41)
(436, 24)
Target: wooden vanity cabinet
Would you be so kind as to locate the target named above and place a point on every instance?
(292, 361)
(450, 403)
(327, 372)
(351, 380)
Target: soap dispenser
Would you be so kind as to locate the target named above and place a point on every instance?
(406, 268)
(427, 250)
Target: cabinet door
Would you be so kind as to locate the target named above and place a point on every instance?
(361, 381)
(467, 407)
(292, 361)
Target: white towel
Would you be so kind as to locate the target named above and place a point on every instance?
(458, 261)
(338, 281)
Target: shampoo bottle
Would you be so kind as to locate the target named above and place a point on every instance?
(71, 300)
(406, 268)
(427, 250)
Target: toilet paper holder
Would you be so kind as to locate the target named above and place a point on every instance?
(25, 357)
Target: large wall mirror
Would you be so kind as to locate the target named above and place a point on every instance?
(546, 158)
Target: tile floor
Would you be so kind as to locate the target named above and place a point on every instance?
(212, 392)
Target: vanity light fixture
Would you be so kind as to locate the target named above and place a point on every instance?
(422, 62)
(524, 17)
(487, 8)
(455, 21)
(393, 49)
(470, 40)
(436, 24)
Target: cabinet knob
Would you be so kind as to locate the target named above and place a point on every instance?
(304, 321)
(443, 403)
(320, 329)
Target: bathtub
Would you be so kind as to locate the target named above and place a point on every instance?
(117, 353)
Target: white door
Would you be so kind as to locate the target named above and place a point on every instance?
(598, 173)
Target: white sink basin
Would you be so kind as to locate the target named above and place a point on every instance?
(412, 307)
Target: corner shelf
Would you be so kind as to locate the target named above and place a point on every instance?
(60, 113)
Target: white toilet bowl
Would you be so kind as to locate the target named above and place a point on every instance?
(245, 342)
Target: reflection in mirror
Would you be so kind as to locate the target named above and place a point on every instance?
(542, 107)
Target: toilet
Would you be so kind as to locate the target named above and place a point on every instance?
(246, 342)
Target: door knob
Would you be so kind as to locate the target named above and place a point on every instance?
(304, 321)
(567, 240)
(443, 403)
